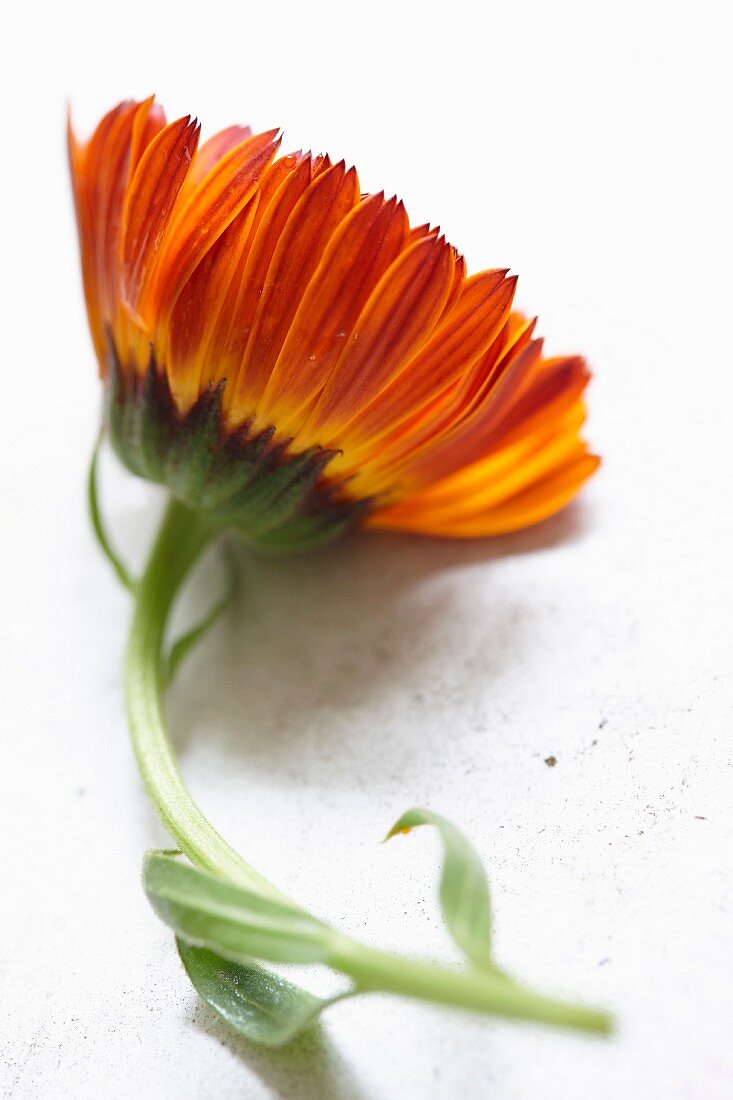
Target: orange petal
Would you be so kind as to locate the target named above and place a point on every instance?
(149, 202)
(225, 341)
(539, 502)
(315, 216)
(445, 412)
(459, 279)
(504, 471)
(100, 174)
(395, 323)
(464, 335)
(514, 337)
(189, 342)
(525, 475)
(282, 185)
(273, 178)
(214, 149)
(432, 430)
(531, 506)
(419, 231)
(149, 121)
(77, 162)
(557, 384)
(358, 253)
(204, 213)
(471, 438)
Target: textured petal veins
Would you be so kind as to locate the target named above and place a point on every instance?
(327, 321)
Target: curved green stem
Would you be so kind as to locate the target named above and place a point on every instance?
(479, 990)
(181, 540)
(98, 526)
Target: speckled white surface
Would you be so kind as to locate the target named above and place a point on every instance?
(383, 672)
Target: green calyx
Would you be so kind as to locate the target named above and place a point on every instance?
(243, 480)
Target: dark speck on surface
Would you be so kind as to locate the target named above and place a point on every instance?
(551, 761)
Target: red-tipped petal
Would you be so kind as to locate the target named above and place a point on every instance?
(149, 202)
(204, 213)
(395, 322)
(320, 209)
(464, 335)
(214, 149)
(280, 192)
(357, 255)
(99, 171)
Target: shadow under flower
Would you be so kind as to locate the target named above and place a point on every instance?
(314, 641)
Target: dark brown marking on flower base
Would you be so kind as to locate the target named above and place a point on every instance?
(247, 480)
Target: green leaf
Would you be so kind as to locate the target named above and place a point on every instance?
(257, 1003)
(183, 645)
(233, 921)
(464, 891)
(220, 928)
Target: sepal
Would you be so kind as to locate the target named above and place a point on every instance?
(247, 480)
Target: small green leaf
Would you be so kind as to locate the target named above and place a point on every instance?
(238, 923)
(464, 891)
(183, 645)
(255, 1002)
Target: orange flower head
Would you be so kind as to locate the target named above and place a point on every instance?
(289, 356)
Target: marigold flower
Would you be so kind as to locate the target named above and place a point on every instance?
(289, 355)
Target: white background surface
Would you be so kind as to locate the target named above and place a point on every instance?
(587, 147)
